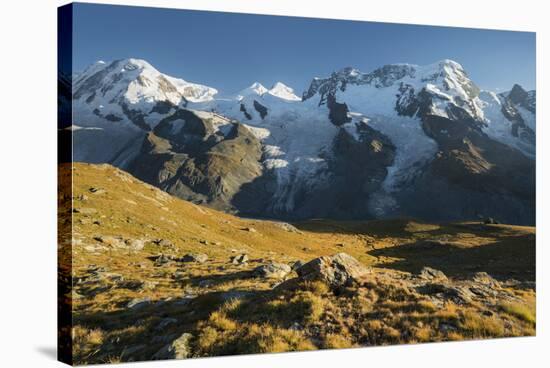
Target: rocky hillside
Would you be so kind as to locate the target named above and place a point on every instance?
(395, 137)
(156, 277)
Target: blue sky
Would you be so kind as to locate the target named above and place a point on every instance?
(231, 51)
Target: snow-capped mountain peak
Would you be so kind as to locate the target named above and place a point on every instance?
(255, 89)
(283, 91)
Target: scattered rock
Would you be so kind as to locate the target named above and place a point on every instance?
(341, 245)
(97, 190)
(287, 227)
(165, 243)
(337, 270)
(135, 244)
(162, 260)
(138, 303)
(85, 210)
(249, 229)
(194, 257)
(485, 279)
(458, 294)
(272, 271)
(112, 241)
(431, 274)
(239, 259)
(178, 349)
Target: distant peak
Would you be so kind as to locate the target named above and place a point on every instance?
(255, 89)
(283, 91)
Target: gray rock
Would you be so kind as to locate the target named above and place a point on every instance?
(431, 274)
(165, 243)
(166, 322)
(178, 349)
(337, 270)
(239, 259)
(287, 227)
(194, 257)
(485, 279)
(163, 259)
(135, 244)
(272, 271)
(138, 303)
(112, 241)
(295, 265)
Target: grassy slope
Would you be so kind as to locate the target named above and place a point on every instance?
(385, 309)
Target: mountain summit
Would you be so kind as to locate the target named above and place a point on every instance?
(356, 145)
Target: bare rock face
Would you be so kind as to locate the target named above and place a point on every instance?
(337, 270)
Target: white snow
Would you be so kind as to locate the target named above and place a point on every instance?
(283, 91)
(297, 136)
(498, 127)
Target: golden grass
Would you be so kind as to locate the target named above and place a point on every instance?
(385, 309)
(475, 325)
(519, 310)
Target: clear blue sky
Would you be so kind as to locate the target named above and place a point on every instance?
(230, 51)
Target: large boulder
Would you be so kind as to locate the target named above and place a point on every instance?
(337, 270)
(272, 271)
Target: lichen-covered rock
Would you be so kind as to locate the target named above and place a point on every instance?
(272, 271)
(177, 349)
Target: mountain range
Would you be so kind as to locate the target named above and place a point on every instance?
(401, 141)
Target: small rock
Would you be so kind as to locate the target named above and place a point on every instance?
(249, 229)
(287, 227)
(135, 244)
(162, 260)
(112, 241)
(178, 349)
(428, 273)
(239, 259)
(97, 190)
(485, 279)
(194, 257)
(138, 303)
(164, 243)
(85, 210)
(272, 271)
